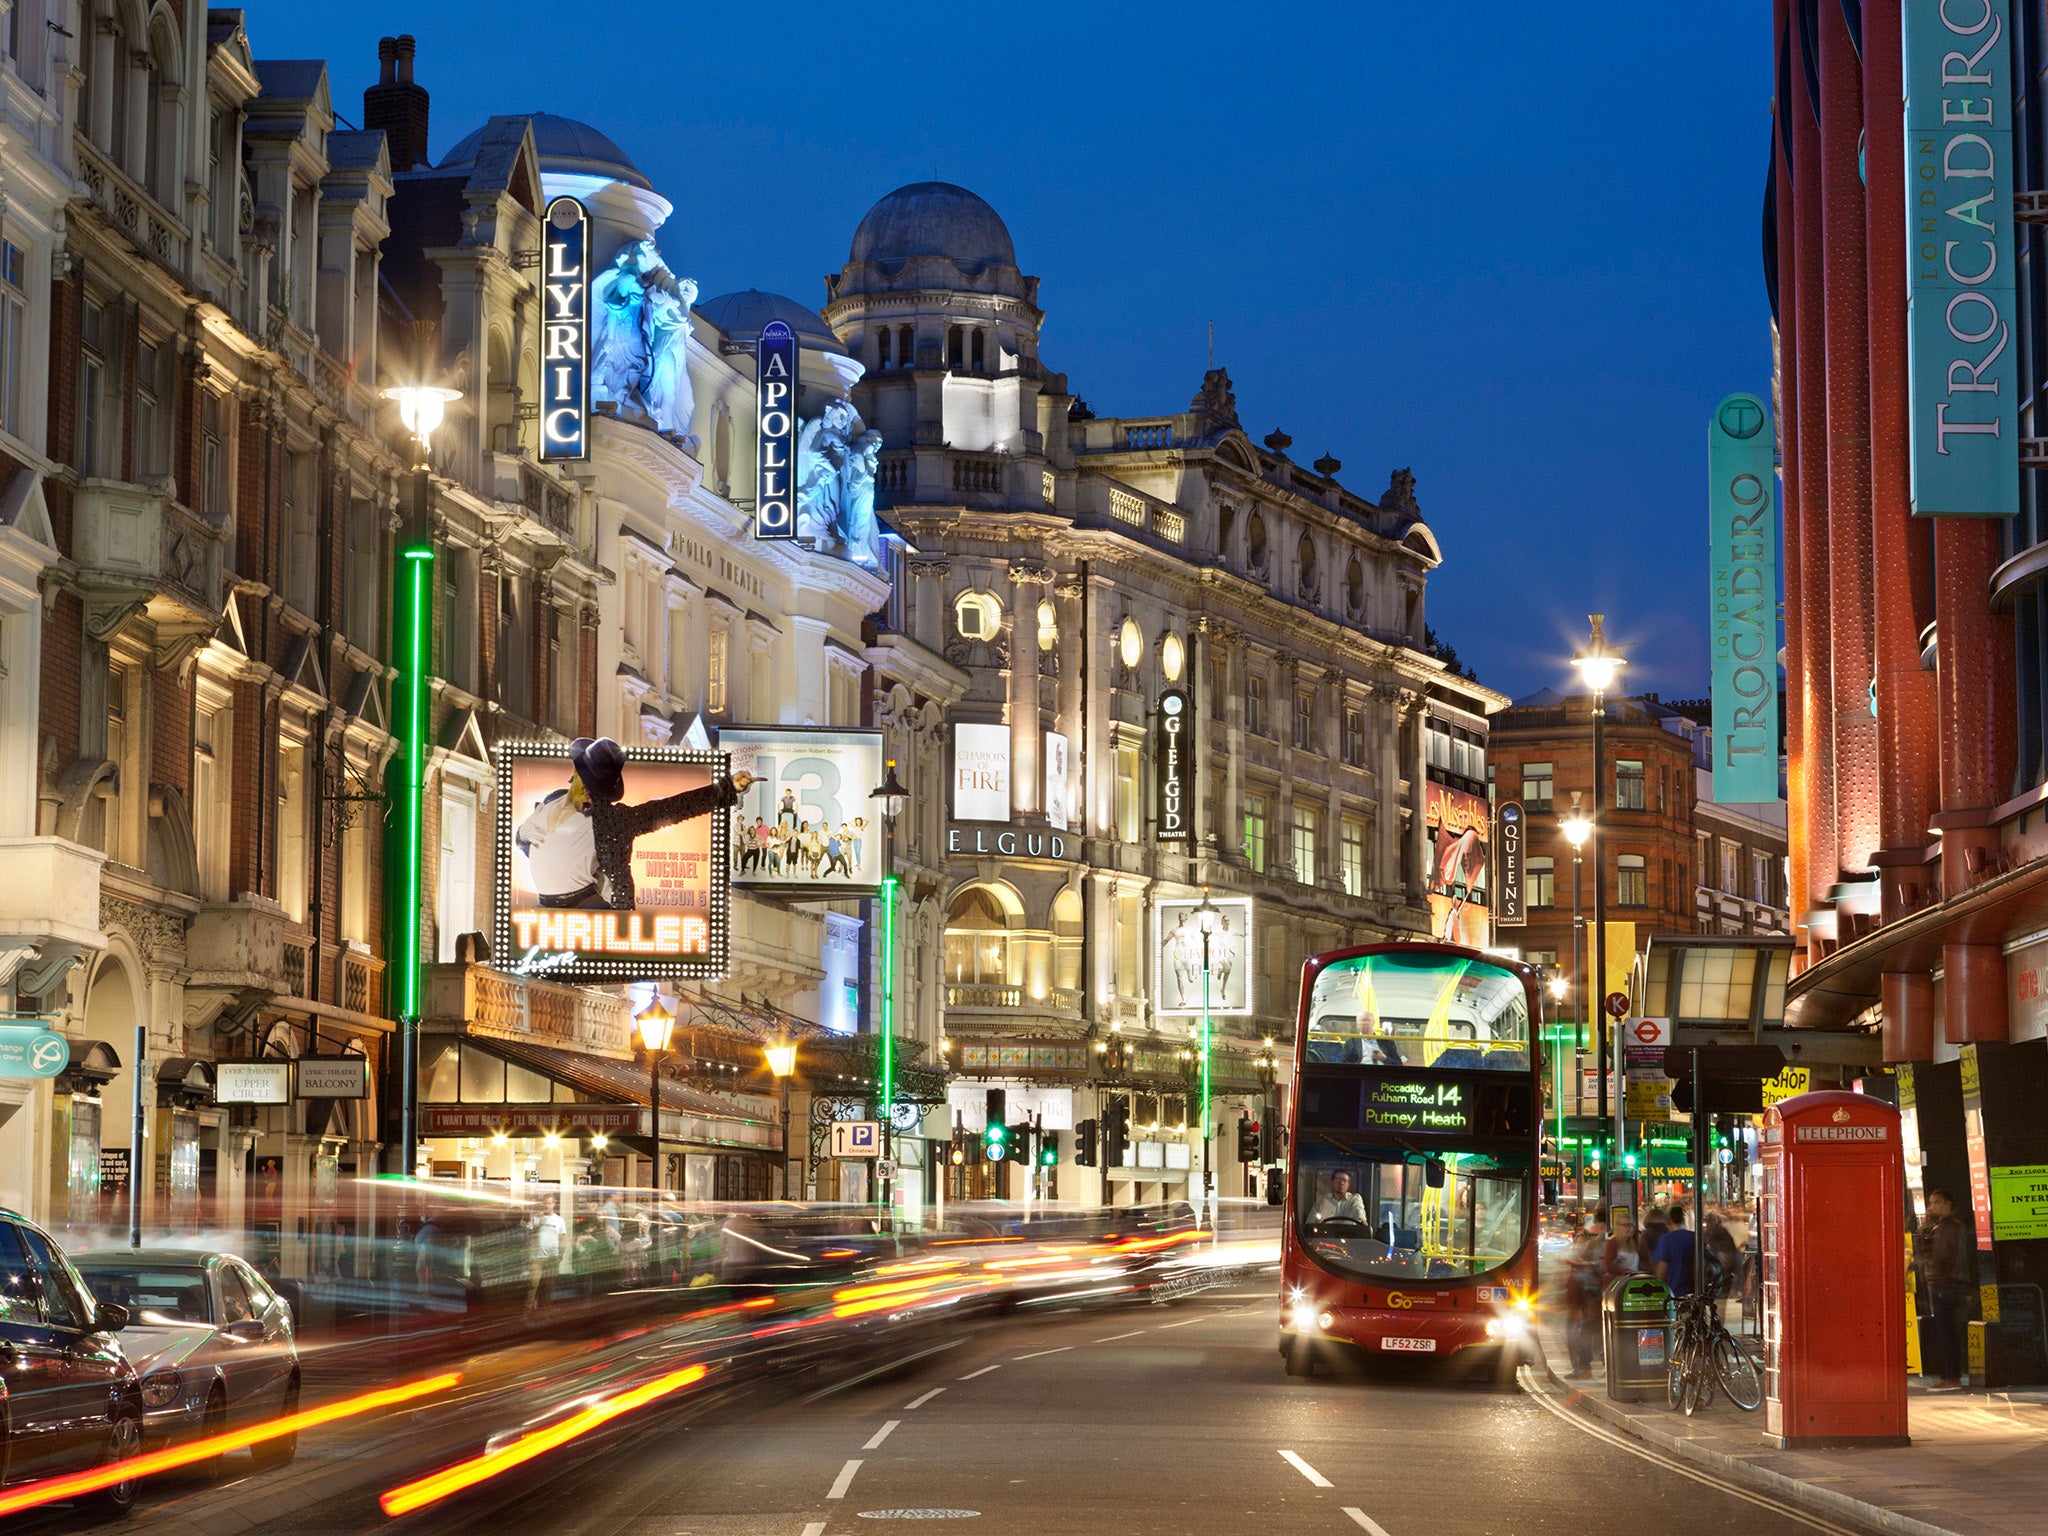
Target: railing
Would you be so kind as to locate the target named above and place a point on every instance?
(894, 475)
(133, 209)
(361, 985)
(995, 995)
(1048, 485)
(978, 476)
(295, 957)
(1157, 436)
(1126, 508)
(524, 1007)
(1170, 526)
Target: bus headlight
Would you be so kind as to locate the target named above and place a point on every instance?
(1512, 1325)
(1301, 1317)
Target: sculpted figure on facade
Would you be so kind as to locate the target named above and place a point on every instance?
(835, 485)
(640, 341)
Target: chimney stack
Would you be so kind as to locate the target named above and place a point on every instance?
(397, 105)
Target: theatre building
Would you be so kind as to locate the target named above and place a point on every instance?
(1191, 662)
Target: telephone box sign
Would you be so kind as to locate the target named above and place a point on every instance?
(1742, 517)
(1508, 910)
(1173, 741)
(775, 429)
(1959, 257)
(565, 332)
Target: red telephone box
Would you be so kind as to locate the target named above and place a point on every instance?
(1834, 1272)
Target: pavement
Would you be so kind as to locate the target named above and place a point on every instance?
(1977, 1465)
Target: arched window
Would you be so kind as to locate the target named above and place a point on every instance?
(978, 948)
(906, 346)
(1066, 940)
(503, 388)
(980, 351)
(1354, 589)
(160, 126)
(882, 347)
(977, 616)
(956, 347)
(1255, 545)
(1305, 553)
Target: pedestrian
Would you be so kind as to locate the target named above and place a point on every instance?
(547, 1254)
(1724, 1259)
(1943, 1248)
(1673, 1255)
(1622, 1254)
(1583, 1270)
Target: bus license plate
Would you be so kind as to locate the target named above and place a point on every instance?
(1649, 1346)
(1411, 1346)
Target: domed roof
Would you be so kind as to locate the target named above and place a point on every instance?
(744, 314)
(564, 145)
(934, 218)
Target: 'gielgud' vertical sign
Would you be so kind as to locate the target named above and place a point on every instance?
(1959, 258)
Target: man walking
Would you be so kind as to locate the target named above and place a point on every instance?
(1943, 1246)
(1673, 1255)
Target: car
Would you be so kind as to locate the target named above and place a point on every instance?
(210, 1341)
(70, 1399)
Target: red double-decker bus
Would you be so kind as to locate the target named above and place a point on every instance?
(1413, 1155)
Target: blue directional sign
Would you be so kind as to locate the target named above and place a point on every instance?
(29, 1050)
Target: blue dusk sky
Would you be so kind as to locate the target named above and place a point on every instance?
(1511, 246)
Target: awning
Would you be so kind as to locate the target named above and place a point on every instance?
(183, 1082)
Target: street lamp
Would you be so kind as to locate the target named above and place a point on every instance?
(420, 407)
(1577, 827)
(655, 1024)
(781, 1054)
(1205, 919)
(891, 797)
(1600, 668)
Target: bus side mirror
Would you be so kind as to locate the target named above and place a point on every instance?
(1433, 1173)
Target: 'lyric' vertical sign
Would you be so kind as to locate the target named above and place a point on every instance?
(565, 332)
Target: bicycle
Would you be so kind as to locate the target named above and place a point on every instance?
(1705, 1354)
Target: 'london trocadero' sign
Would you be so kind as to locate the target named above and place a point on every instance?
(1743, 542)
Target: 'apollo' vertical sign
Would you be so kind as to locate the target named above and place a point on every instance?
(775, 432)
(1959, 258)
(1174, 801)
(1744, 609)
(1510, 884)
(565, 332)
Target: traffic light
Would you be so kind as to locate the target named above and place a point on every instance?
(1048, 1149)
(1629, 1159)
(1020, 1144)
(1269, 1142)
(1247, 1139)
(1084, 1144)
(1116, 1132)
(995, 1132)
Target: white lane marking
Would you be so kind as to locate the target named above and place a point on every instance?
(1115, 1336)
(1637, 1448)
(880, 1435)
(843, 1481)
(920, 1402)
(1307, 1471)
(815, 1528)
(1187, 1324)
(1038, 1352)
(983, 1371)
(1365, 1521)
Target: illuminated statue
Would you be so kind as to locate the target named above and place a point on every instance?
(858, 530)
(640, 341)
(670, 399)
(823, 445)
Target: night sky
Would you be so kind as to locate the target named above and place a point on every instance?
(1517, 251)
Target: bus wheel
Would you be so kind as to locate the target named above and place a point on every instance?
(1300, 1357)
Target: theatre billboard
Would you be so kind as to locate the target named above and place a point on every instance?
(810, 825)
(612, 862)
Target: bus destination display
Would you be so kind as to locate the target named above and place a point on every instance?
(1414, 1104)
(1418, 1105)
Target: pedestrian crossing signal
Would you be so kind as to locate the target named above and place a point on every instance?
(1049, 1150)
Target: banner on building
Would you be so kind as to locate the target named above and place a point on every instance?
(1177, 953)
(810, 826)
(1057, 811)
(1458, 826)
(981, 772)
(1743, 614)
(1173, 742)
(1510, 873)
(775, 432)
(611, 861)
(1959, 259)
(565, 332)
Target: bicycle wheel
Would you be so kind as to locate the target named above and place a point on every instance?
(1737, 1373)
(1674, 1382)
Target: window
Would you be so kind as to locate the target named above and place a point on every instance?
(955, 346)
(1760, 879)
(361, 573)
(1664, 788)
(565, 656)
(1048, 625)
(1130, 929)
(905, 346)
(1066, 940)
(1128, 821)
(1255, 705)
(1308, 828)
(1351, 845)
(13, 333)
(152, 409)
(980, 352)
(1436, 745)
(294, 795)
(1536, 786)
(715, 659)
(1354, 737)
(213, 454)
(1702, 847)
(1130, 644)
(1731, 867)
(212, 738)
(1542, 882)
(1305, 722)
(977, 616)
(515, 647)
(1631, 881)
(1468, 756)
(455, 903)
(121, 730)
(977, 940)
(298, 574)
(882, 339)
(1255, 831)
(99, 376)
(1630, 783)
(355, 874)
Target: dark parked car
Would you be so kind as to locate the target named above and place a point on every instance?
(210, 1341)
(69, 1398)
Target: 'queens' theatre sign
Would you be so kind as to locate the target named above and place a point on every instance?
(1173, 819)
(775, 426)
(1959, 258)
(565, 331)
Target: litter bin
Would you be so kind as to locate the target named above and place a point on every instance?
(1636, 1313)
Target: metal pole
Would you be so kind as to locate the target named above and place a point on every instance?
(1600, 937)
(785, 1136)
(136, 1149)
(1699, 1181)
(1208, 1189)
(888, 1043)
(654, 1114)
(1578, 998)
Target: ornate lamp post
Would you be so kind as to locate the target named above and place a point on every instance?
(654, 1024)
(781, 1054)
(891, 797)
(421, 407)
(1577, 827)
(1600, 668)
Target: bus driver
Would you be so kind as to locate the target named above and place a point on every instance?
(1340, 1204)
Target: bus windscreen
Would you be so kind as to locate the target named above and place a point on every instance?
(1426, 1010)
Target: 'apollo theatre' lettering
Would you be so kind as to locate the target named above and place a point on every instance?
(1959, 254)
(775, 468)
